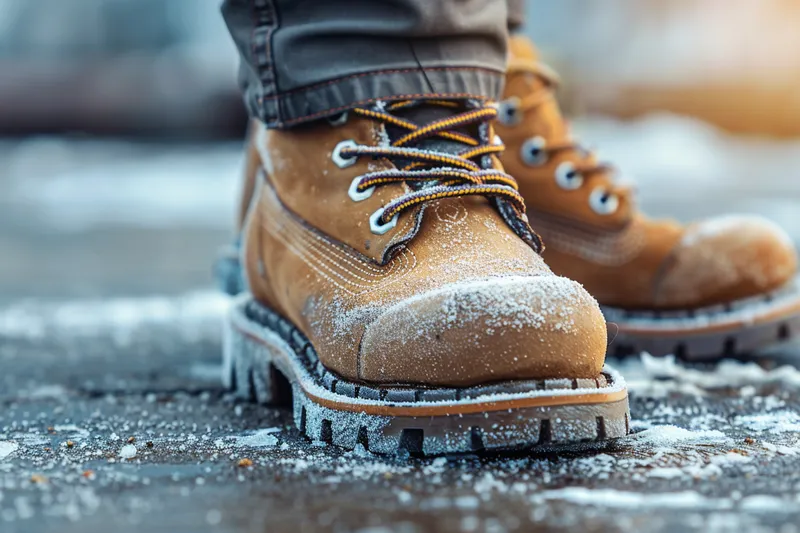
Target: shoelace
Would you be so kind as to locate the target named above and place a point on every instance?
(443, 174)
(580, 157)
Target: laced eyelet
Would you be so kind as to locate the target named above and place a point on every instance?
(344, 162)
(533, 151)
(338, 120)
(357, 195)
(508, 112)
(603, 202)
(376, 227)
(567, 177)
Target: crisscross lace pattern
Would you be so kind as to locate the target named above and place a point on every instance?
(435, 174)
(582, 160)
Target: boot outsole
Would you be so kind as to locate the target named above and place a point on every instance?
(734, 329)
(268, 360)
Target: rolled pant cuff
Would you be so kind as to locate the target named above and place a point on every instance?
(335, 96)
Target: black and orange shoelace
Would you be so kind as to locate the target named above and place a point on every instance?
(468, 172)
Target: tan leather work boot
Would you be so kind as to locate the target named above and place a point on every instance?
(716, 287)
(396, 285)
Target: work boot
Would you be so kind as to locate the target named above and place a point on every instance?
(717, 287)
(396, 289)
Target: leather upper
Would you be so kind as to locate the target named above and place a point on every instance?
(622, 257)
(460, 300)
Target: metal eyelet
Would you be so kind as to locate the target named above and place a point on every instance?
(338, 120)
(508, 112)
(567, 177)
(344, 162)
(357, 195)
(533, 151)
(603, 202)
(380, 229)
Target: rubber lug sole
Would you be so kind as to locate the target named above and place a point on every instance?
(267, 360)
(731, 330)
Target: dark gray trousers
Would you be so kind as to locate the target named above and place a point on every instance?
(306, 59)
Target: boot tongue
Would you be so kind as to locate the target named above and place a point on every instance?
(423, 114)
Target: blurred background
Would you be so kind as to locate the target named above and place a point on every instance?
(116, 180)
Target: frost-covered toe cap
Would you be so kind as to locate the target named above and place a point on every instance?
(522, 327)
(726, 259)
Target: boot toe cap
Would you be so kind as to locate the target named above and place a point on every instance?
(726, 259)
(462, 334)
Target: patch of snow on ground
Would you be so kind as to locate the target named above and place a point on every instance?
(670, 435)
(659, 376)
(261, 439)
(778, 422)
(7, 448)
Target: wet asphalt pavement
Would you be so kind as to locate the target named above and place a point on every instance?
(112, 417)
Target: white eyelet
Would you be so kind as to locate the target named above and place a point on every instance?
(603, 202)
(338, 120)
(567, 177)
(508, 112)
(357, 195)
(533, 151)
(344, 162)
(380, 229)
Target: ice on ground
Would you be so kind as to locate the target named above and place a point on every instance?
(261, 439)
(35, 319)
(128, 451)
(7, 448)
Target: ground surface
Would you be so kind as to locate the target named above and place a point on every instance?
(112, 417)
